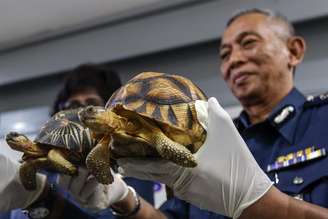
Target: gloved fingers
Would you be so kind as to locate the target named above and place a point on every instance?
(77, 182)
(89, 188)
(133, 166)
(100, 199)
(216, 110)
(8, 171)
(201, 107)
(155, 169)
(118, 189)
(211, 112)
(64, 181)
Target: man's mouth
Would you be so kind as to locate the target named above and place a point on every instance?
(239, 78)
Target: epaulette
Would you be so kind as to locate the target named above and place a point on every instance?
(312, 101)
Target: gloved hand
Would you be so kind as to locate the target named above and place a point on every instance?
(92, 195)
(227, 178)
(12, 192)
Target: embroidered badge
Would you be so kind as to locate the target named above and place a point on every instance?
(286, 113)
(300, 156)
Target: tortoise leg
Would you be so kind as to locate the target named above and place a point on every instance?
(60, 163)
(28, 170)
(166, 148)
(98, 161)
(173, 151)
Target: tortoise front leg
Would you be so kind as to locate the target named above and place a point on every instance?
(28, 170)
(60, 163)
(166, 148)
(98, 161)
(173, 151)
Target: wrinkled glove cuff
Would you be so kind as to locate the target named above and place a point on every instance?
(135, 209)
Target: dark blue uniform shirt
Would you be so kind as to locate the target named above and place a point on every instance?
(293, 140)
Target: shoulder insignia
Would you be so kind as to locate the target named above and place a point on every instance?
(284, 114)
(319, 100)
(291, 159)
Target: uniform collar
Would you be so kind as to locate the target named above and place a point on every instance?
(283, 117)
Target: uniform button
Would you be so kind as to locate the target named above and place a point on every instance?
(298, 180)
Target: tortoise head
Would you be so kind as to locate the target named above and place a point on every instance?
(18, 142)
(94, 117)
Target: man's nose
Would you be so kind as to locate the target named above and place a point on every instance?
(236, 59)
(236, 55)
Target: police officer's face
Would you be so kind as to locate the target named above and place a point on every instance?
(254, 59)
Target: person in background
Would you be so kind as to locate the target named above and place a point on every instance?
(63, 196)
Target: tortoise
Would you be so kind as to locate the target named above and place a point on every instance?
(152, 115)
(62, 143)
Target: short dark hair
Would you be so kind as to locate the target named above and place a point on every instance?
(275, 16)
(88, 76)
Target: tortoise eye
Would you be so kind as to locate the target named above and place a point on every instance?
(61, 115)
(90, 109)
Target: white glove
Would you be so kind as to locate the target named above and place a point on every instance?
(92, 195)
(12, 192)
(227, 178)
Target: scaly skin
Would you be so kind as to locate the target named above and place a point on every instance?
(28, 170)
(59, 162)
(166, 148)
(20, 142)
(98, 161)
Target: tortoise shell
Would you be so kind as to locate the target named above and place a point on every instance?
(65, 130)
(166, 99)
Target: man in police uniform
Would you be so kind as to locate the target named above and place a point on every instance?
(285, 131)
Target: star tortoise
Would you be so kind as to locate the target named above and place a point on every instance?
(62, 144)
(152, 115)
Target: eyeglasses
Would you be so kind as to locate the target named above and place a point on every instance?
(73, 104)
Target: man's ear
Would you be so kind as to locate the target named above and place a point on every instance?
(296, 46)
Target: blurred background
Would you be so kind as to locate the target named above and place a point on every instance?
(41, 40)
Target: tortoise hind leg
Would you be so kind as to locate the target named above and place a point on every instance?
(173, 151)
(98, 161)
(28, 170)
(60, 163)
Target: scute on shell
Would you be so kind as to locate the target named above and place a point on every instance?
(65, 130)
(166, 99)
